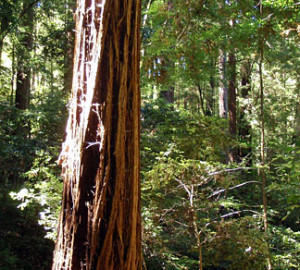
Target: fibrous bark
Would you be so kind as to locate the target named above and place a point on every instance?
(99, 224)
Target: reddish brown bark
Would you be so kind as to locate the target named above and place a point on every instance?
(99, 224)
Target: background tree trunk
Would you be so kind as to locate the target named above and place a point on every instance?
(69, 43)
(232, 102)
(263, 139)
(223, 107)
(244, 126)
(232, 95)
(99, 225)
(168, 95)
(23, 67)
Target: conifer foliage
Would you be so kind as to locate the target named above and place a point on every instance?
(206, 177)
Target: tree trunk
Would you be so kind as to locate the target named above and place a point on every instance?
(232, 103)
(1, 49)
(210, 100)
(99, 225)
(223, 108)
(12, 80)
(232, 95)
(244, 126)
(168, 95)
(24, 71)
(201, 98)
(69, 45)
(262, 146)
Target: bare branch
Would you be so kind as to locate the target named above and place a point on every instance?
(184, 186)
(231, 188)
(230, 170)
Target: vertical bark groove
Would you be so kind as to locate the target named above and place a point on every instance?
(100, 218)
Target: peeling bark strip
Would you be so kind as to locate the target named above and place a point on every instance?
(99, 224)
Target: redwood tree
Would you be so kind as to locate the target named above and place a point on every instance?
(99, 225)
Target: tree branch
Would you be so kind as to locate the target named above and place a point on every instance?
(231, 188)
(230, 170)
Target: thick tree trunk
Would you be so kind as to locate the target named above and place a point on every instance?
(99, 224)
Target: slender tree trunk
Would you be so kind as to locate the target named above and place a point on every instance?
(210, 99)
(99, 224)
(223, 107)
(201, 98)
(262, 146)
(244, 126)
(262, 171)
(1, 49)
(232, 102)
(232, 95)
(12, 80)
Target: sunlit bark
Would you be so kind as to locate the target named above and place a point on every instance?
(99, 224)
(223, 105)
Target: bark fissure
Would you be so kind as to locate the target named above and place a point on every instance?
(100, 218)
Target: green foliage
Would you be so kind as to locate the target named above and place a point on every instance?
(21, 243)
(30, 141)
(168, 224)
(184, 146)
(286, 248)
(164, 129)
